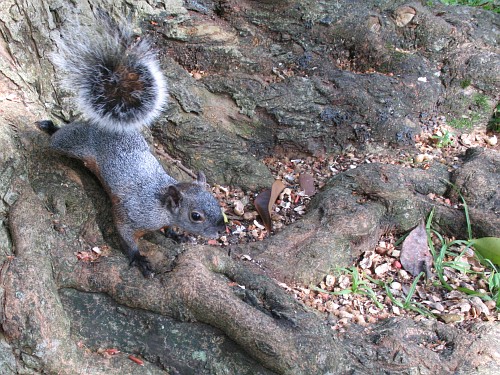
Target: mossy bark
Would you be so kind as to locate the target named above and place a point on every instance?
(247, 79)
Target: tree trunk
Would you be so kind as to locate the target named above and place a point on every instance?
(283, 78)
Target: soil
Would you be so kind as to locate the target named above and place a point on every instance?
(331, 295)
(366, 111)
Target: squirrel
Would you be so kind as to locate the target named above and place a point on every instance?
(120, 88)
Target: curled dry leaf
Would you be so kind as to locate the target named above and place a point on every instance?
(136, 360)
(404, 15)
(276, 190)
(261, 204)
(415, 254)
(265, 201)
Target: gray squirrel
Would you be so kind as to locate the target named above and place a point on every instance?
(120, 89)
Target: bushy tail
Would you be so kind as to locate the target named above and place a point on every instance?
(116, 78)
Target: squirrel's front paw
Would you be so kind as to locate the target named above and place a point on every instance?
(143, 264)
(175, 236)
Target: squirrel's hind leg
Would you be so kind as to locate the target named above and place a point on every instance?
(75, 140)
(47, 126)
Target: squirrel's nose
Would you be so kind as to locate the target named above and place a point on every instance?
(221, 225)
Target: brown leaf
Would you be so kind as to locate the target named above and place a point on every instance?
(415, 255)
(276, 190)
(261, 204)
(265, 201)
(111, 351)
(306, 182)
(136, 360)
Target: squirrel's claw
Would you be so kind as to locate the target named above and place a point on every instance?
(143, 264)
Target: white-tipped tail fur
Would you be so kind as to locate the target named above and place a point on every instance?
(116, 77)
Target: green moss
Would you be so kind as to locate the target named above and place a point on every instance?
(465, 83)
(460, 123)
(481, 101)
(484, 4)
(478, 107)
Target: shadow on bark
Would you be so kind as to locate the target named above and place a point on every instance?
(303, 79)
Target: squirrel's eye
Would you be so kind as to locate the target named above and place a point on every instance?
(196, 216)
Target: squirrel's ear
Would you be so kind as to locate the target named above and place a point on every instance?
(201, 179)
(172, 197)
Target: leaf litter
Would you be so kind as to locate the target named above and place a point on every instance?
(390, 270)
(415, 255)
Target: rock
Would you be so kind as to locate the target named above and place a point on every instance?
(403, 15)
(478, 180)
(279, 78)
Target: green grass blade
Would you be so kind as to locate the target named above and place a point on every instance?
(413, 287)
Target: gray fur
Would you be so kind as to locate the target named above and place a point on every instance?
(144, 197)
(91, 58)
(138, 185)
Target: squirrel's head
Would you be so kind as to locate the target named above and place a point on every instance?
(194, 208)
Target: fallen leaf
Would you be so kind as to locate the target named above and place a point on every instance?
(136, 360)
(265, 201)
(111, 351)
(415, 255)
(306, 182)
(489, 248)
(404, 15)
(261, 204)
(86, 256)
(276, 190)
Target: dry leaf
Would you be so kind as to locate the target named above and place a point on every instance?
(136, 360)
(265, 201)
(276, 190)
(111, 351)
(404, 15)
(415, 254)
(261, 204)
(306, 182)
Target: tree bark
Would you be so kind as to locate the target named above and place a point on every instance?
(247, 79)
